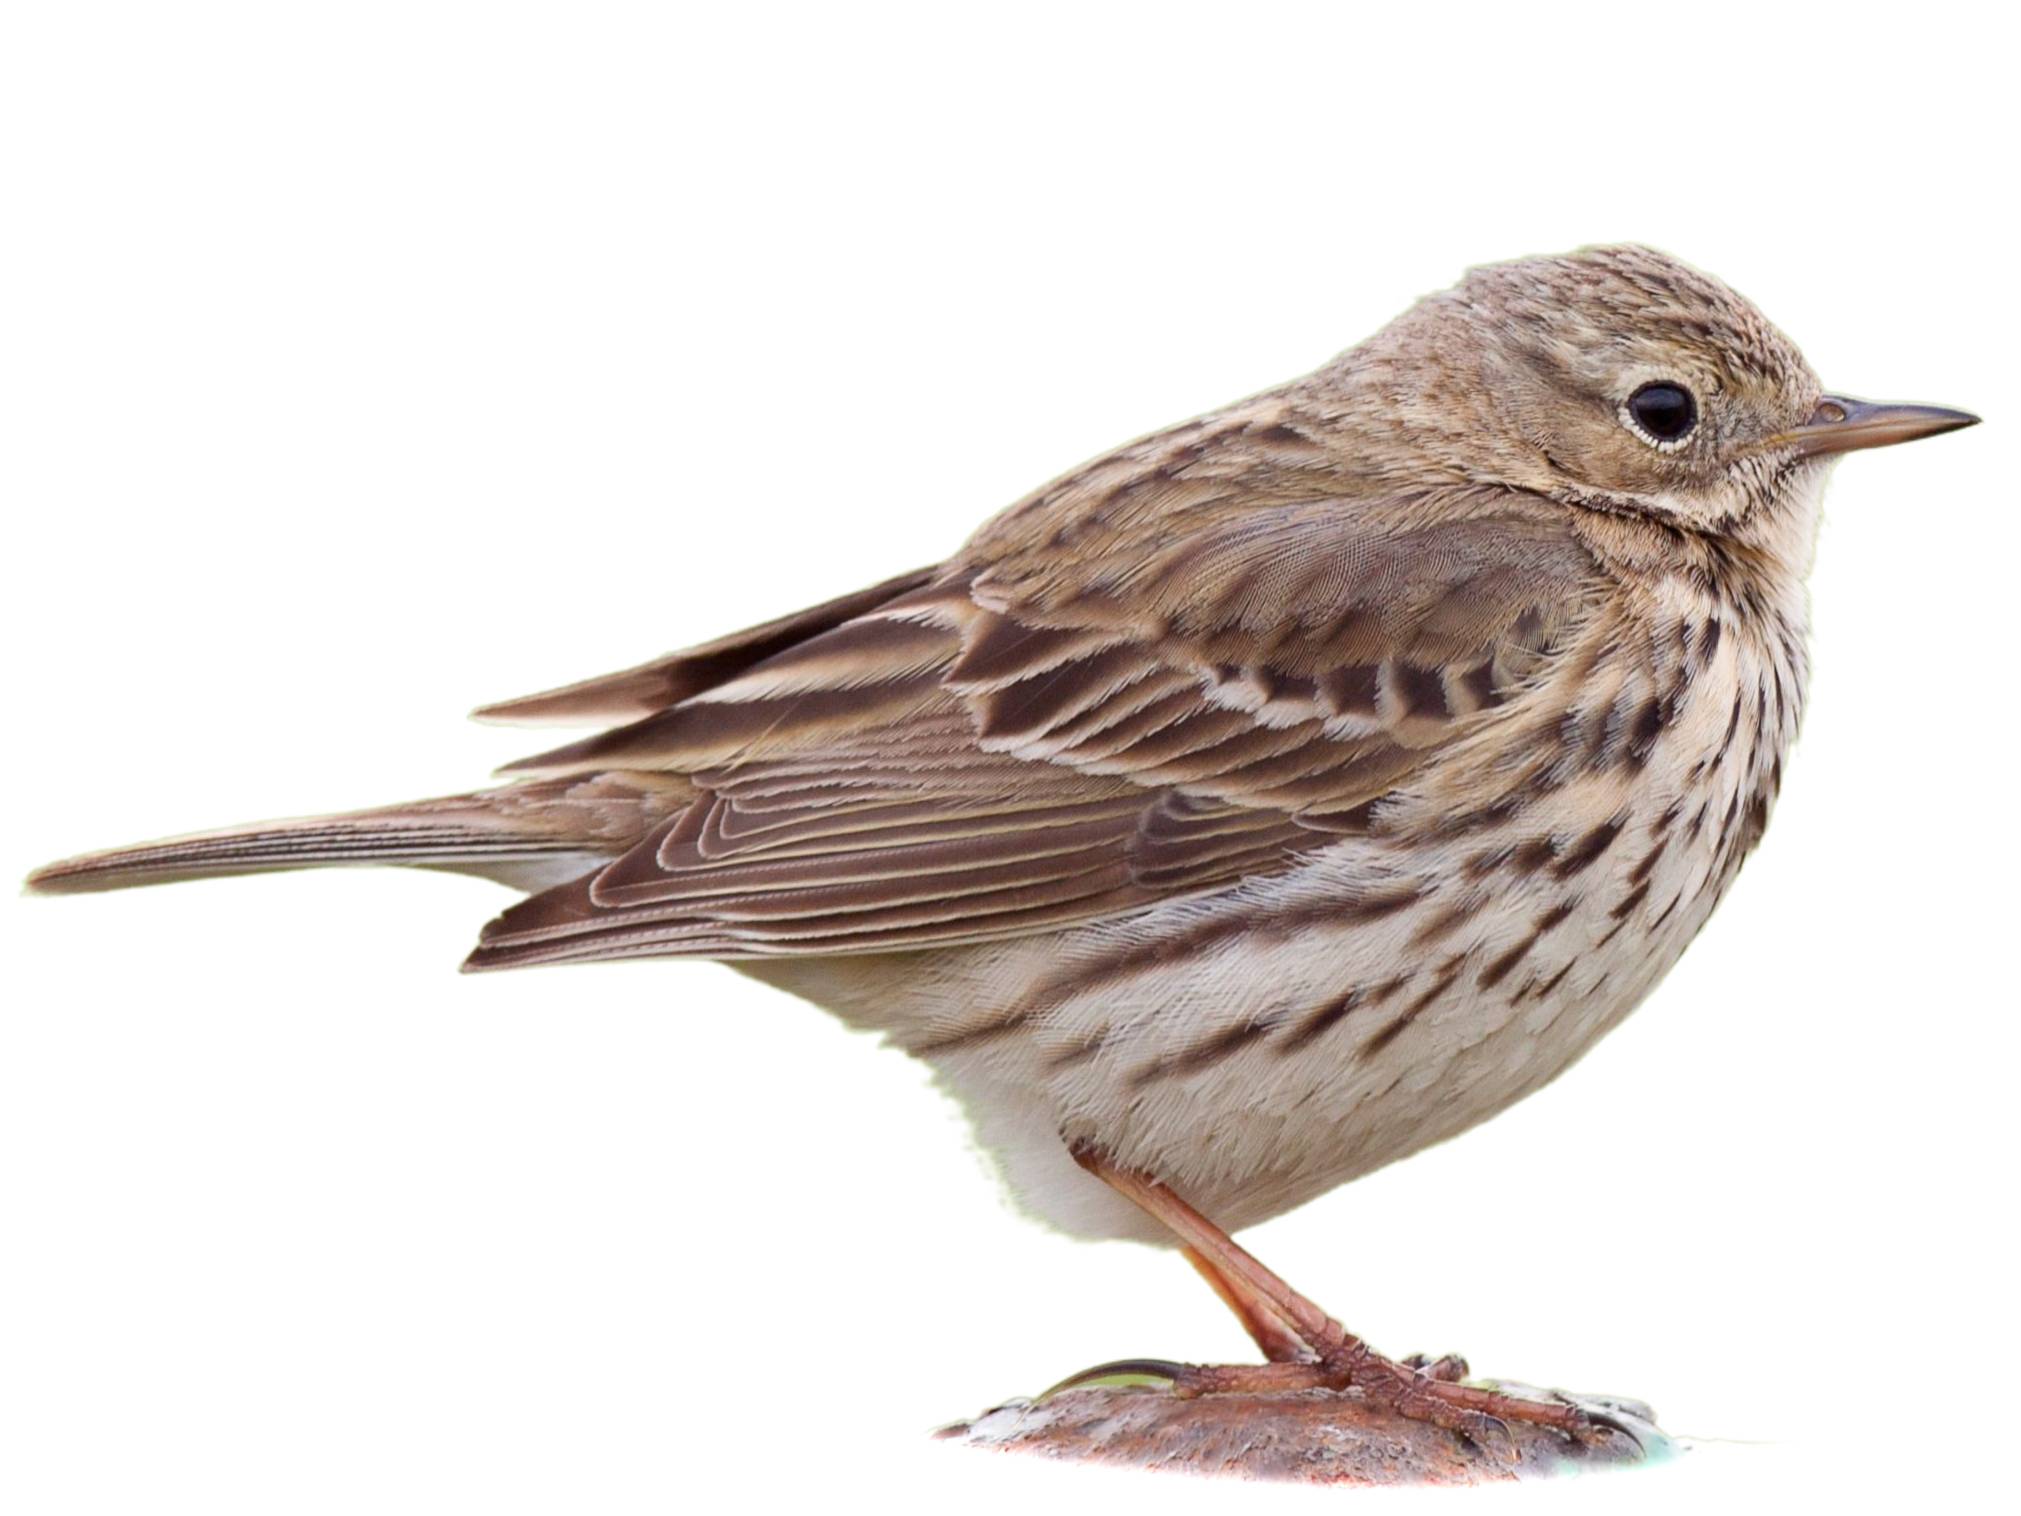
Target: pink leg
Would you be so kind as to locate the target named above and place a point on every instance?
(1270, 1331)
(1283, 1322)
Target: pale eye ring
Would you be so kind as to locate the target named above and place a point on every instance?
(1662, 413)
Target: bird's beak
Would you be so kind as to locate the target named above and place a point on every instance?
(1841, 424)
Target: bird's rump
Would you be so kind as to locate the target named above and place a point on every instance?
(999, 751)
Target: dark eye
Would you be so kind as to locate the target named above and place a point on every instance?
(1663, 412)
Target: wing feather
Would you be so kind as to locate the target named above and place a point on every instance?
(1023, 742)
(654, 686)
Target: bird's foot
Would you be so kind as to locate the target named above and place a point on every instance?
(1415, 1389)
(1309, 1350)
(1482, 1414)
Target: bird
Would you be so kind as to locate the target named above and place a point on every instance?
(1248, 808)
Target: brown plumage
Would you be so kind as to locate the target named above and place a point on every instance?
(1259, 802)
(988, 754)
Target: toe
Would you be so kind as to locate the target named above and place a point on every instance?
(1450, 1368)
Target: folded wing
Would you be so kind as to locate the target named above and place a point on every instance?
(1036, 738)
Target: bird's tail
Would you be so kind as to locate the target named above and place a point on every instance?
(527, 835)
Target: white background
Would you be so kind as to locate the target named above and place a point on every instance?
(365, 362)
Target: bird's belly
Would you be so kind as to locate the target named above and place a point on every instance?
(1258, 1074)
(1253, 1080)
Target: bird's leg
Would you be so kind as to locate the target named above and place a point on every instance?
(1337, 1359)
(1280, 1344)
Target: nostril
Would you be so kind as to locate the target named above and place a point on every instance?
(1827, 412)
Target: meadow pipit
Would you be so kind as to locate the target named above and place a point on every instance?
(1250, 807)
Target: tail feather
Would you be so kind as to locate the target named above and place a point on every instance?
(529, 836)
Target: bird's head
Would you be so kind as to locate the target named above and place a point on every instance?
(1620, 380)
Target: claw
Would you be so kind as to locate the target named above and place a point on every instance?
(1482, 1428)
(1124, 1371)
(1593, 1417)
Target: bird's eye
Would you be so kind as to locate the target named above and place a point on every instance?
(1662, 412)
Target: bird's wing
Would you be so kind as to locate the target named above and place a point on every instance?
(1033, 739)
(635, 692)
